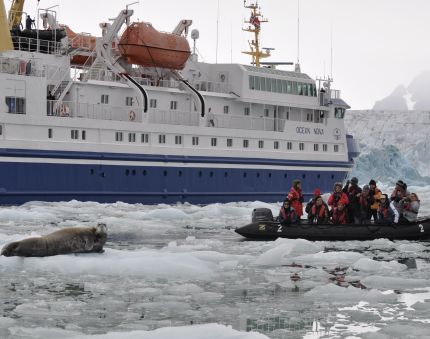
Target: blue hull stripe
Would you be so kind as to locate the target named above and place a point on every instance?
(24, 153)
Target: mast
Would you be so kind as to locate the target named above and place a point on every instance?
(254, 26)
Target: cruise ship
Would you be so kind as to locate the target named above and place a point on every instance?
(134, 116)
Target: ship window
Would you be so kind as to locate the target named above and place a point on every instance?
(276, 144)
(263, 84)
(178, 139)
(153, 103)
(131, 137)
(226, 109)
(15, 105)
(246, 110)
(324, 147)
(299, 89)
(251, 82)
(84, 135)
(257, 82)
(195, 141)
(274, 89)
(289, 145)
(268, 85)
(266, 112)
(279, 86)
(336, 148)
(305, 89)
(316, 147)
(301, 146)
(229, 142)
(295, 88)
(162, 139)
(260, 144)
(173, 105)
(74, 134)
(213, 142)
(339, 112)
(118, 136)
(104, 99)
(309, 116)
(284, 86)
(49, 132)
(144, 138)
(289, 89)
(128, 101)
(245, 143)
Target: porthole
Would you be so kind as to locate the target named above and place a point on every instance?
(244, 174)
(144, 172)
(319, 176)
(269, 175)
(211, 174)
(332, 176)
(303, 176)
(180, 174)
(165, 173)
(127, 172)
(200, 173)
(91, 171)
(225, 174)
(285, 175)
(258, 175)
(133, 172)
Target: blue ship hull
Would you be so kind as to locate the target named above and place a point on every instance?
(181, 179)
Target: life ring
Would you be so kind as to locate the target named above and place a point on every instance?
(131, 116)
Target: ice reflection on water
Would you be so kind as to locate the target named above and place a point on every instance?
(263, 298)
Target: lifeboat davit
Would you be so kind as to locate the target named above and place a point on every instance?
(141, 44)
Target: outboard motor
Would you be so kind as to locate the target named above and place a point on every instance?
(262, 214)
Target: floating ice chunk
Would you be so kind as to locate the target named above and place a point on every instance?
(207, 331)
(208, 297)
(345, 295)
(150, 263)
(184, 289)
(329, 259)
(393, 283)
(369, 265)
(285, 252)
(167, 214)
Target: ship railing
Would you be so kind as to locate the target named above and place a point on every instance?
(248, 122)
(174, 117)
(20, 67)
(209, 86)
(102, 74)
(70, 109)
(37, 45)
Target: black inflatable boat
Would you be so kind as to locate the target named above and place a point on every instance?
(264, 227)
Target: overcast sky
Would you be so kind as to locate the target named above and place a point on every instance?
(377, 44)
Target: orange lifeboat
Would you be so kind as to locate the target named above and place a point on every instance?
(85, 44)
(141, 44)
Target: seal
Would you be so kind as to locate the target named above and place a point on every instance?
(65, 241)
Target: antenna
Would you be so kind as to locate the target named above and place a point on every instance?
(217, 33)
(297, 67)
(331, 51)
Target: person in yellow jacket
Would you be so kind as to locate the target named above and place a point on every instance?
(377, 194)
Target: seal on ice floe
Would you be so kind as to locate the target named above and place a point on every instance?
(67, 240)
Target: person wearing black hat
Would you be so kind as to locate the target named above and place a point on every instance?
(287, 215)
(399, 192)
(352, 190)
(376, 192)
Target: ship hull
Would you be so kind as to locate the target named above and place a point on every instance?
(28, 175)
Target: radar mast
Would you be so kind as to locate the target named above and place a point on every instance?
(254, 26)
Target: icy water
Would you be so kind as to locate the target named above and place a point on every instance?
(183, 265)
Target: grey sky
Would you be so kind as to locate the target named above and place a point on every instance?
(377, 44)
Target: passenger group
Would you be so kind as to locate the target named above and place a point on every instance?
(351, 204)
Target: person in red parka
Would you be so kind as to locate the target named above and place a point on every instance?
(337, 196)
(295, 196)
(340, 215)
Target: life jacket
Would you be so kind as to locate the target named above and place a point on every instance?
(339, 217)
(287, 216)
(337, 197)
(296, 198)
(377, 195)
(321, 213)
(384, 212)
(364, 201)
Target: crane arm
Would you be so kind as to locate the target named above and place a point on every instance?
(15, 13)
(5, 39)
